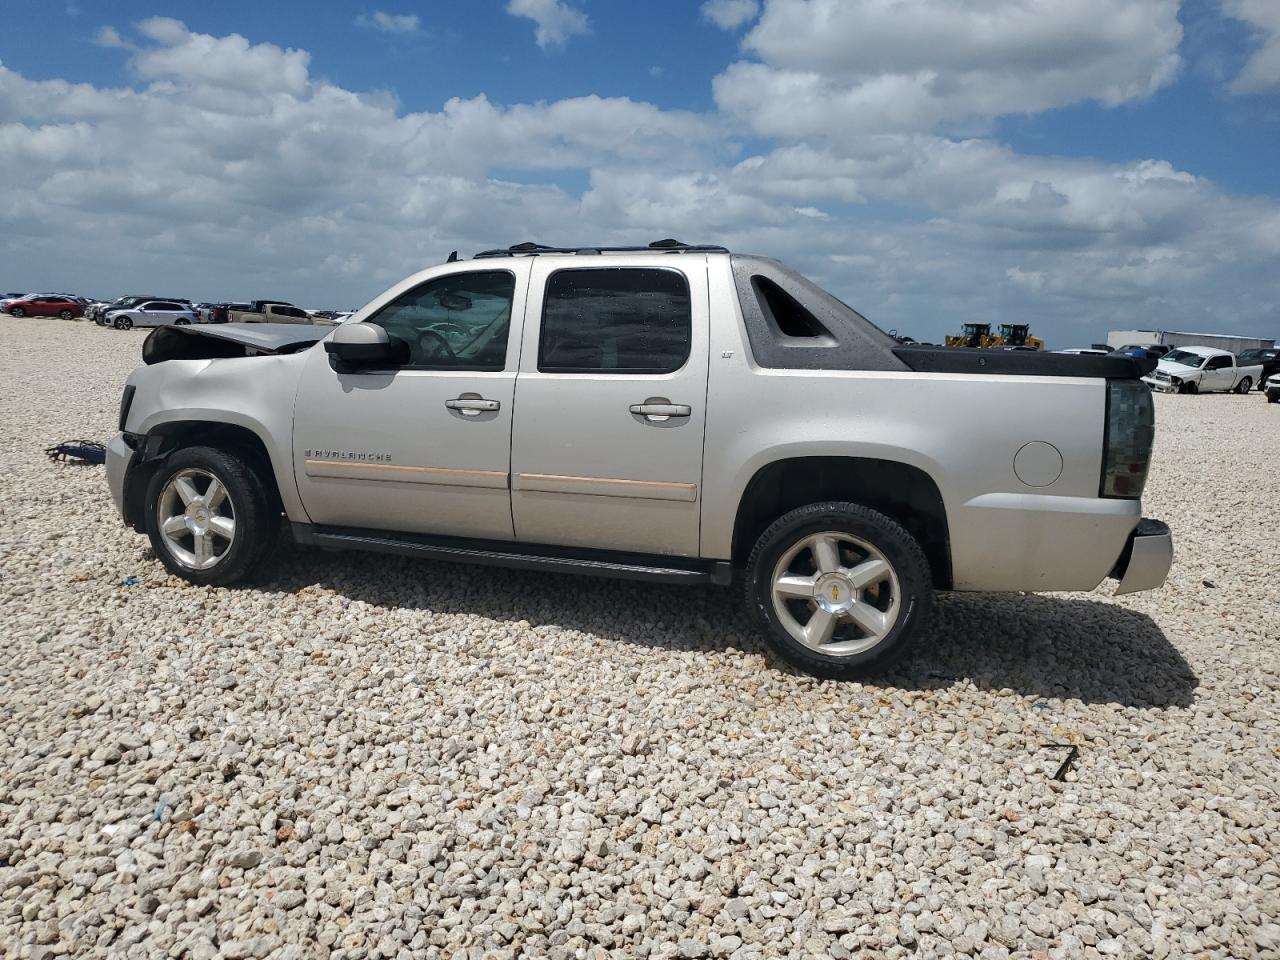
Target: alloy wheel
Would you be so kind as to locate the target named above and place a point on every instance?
(196, 518)
(835, 593)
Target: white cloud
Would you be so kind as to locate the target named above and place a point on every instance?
(257, 178)
(860, 66)
(390, 22)
(218, 63)
(110, 37)
(556, 20)
(730, 14)
(1262, 71)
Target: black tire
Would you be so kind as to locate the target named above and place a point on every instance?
(17, 312)
(256, 520)
(1245, 385)
(1273, 398)
(123, 323)
(899, 549)
(182, 323)
(66, 314)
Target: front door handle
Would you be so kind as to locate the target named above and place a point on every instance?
(660, 410)
(472, 406)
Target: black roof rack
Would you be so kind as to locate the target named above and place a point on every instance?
(663, 246)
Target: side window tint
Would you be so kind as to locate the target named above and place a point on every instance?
(458, 322)
(615, 320)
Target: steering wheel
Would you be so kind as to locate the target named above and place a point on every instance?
(433, 346)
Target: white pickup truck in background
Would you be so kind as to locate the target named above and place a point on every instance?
(269, 311)
(1202, 370)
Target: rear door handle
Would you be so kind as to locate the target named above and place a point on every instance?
(660, 411)
(471, 406)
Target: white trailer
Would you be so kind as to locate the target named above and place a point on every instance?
(1175, 338)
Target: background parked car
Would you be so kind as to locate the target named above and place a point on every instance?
(270, 311)
(46, 305)
(1268, 357)
(152, 313)
(1153, 351)
(1202, 370)
(1273, 389)
(9, 298)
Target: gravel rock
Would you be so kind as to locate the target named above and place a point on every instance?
(373, 757)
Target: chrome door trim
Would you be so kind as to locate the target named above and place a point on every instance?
(403, 473)
(607, 487)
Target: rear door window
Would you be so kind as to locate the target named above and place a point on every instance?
(624, 320)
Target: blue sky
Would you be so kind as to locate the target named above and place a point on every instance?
(1107, 163)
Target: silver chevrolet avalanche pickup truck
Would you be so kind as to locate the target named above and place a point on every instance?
(673, 413)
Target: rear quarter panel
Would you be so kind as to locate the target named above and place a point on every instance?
(964, 431)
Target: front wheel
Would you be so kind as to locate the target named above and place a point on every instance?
(66, 314)
(1245, 385)
(841, 590)
(182, 323)
(124, 323)
(209, 516)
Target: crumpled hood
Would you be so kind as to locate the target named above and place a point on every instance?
(215, 341)
(1177, 369)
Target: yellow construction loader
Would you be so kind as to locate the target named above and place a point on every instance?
(979, 335)
(1017, 335)
(972, 335)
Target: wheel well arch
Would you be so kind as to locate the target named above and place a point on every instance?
(166, 438)
(906, 493)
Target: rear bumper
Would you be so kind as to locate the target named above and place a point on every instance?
(1146, 559)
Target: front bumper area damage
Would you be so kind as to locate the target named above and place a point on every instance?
(1146, 559)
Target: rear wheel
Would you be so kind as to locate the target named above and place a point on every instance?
(123, 323)
(17, 312)
(841, 590)
(209, 516)
(1245, 385)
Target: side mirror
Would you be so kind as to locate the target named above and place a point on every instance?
(356, 346)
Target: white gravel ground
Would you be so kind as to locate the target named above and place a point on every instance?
(369, 757)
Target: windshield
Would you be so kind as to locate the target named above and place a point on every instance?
(1183, 358)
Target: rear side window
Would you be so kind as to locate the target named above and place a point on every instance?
(786, 315)
(289, 312)
(625, 320)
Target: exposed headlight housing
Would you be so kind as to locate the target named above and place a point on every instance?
(1131, 430)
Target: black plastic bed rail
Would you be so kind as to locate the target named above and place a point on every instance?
(1022, 363)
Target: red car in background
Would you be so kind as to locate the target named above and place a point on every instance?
(46, 305)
